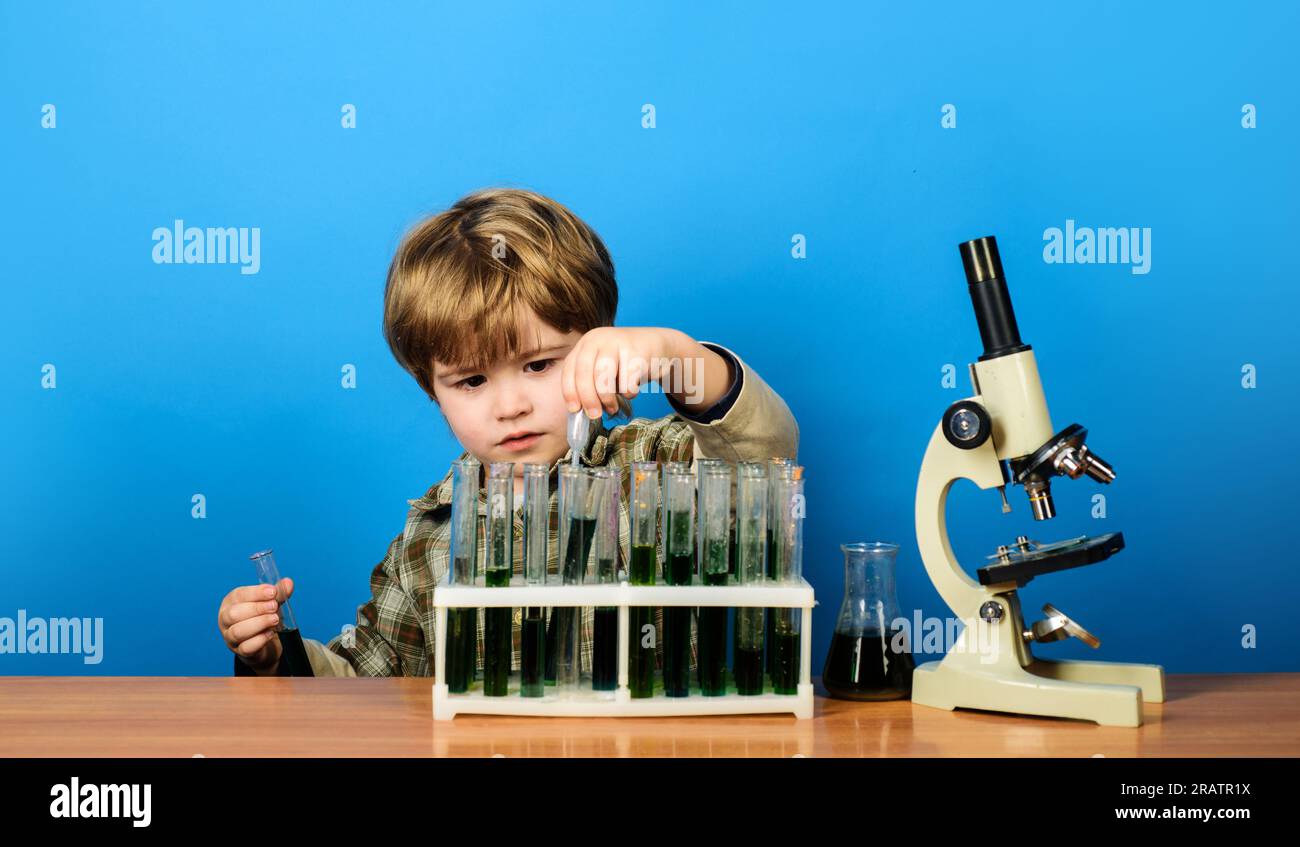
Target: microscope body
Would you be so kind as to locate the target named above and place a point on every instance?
(1002, 435)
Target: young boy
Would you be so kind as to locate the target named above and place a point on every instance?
(502, 309)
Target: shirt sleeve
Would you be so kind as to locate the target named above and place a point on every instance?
(728, 399)
(755, 427)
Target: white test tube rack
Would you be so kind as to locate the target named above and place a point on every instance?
(619, 703)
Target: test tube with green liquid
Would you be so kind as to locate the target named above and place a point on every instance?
(777, 468)
(679, 569)
(787, 542)
(751, 569)
(603, 569)
(714, 503)
(462, 623)
(498, 642)
(643, 514)
(536, 520)
(577, 520)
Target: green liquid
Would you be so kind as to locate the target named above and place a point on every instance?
(640, 660)
(498, 577)
(471, 643)
(712, 668)
(785, 663)
(749, 671)
(581, 532)
(530, 655)
(459, 631)
(604, 649)
(679, 568)
(677, 651)
(496, 651)
(771, 613)
(643, 565)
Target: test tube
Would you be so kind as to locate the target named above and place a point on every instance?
(665, 469)
(293, 655)
(462, 623)
(575, 543)
(537, 510)
(604, 570)
(643, 514)
(787, 541)
(751, 569)
(715, 544)
(679, 569)
(498, 642)
(777, 468)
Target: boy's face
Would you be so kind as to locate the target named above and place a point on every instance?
(514, 411)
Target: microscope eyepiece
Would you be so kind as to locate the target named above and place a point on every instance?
(989, 296)
(981, 260)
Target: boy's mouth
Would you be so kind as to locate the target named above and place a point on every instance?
(520, 440)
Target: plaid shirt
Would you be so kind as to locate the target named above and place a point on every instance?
(395, 630)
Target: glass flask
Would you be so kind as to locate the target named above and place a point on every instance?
(870, 657)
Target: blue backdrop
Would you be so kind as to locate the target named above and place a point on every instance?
(883, 135)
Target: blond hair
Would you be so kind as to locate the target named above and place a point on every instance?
(460, 279)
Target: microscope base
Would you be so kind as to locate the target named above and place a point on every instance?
(1109, 693)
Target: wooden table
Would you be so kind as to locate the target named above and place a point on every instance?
(1205, 715)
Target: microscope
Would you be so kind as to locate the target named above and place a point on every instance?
(1003, 435)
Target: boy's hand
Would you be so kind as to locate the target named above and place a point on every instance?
(247, 620)
(611, 361)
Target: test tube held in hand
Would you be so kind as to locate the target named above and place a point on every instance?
(293, 654)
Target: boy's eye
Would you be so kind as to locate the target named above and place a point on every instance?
(468, 382)
(541, 365)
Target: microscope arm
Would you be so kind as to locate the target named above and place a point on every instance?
(943, 465)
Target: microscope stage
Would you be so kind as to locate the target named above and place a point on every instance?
(1021, 566)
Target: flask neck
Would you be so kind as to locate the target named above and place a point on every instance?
(870, 595)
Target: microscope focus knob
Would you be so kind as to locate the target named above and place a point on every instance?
(966, 425)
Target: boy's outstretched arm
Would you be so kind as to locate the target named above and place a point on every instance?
(733, 414)
(748, 423)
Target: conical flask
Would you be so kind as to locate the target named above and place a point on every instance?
(870, 657)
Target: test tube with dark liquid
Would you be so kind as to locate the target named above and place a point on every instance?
(537, 511)
(293, 655)
(604, 643)
(498, 641)
(679, 569)
(642, 635)
(462, 623)
(777, 468)
(751, 569)
(577, 522)
(714, 503)
(787, 548)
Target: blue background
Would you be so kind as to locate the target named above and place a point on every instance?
(815, 119)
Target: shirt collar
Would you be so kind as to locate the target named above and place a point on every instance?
(592, 455)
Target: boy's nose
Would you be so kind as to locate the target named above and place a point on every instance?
(511, 402)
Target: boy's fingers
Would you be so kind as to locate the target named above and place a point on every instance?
(251, 593)
(249, 627)
(568, 386)
(284, 589)
(585, 382)
(606, 370)
(250, 646)
(629, 377)
(237, 612)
